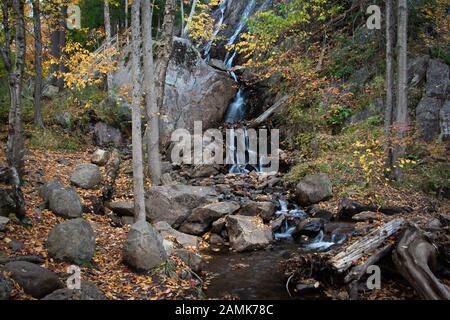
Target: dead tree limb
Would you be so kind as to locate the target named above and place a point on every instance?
(268, 113)
(414, 257)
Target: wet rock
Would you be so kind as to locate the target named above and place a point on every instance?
(3, 222)
(105, 135)
(192, 259)
(248, 233)
(368, 216)
(88, 291)
(322, 214)
(100, 157)
(337, 228)
(167, 232)
(427, 118)
(264, 209)
(218, 226)
(437, 79)
(143, 250)
(314, 189)
(5, 288)
(309, 227)
(86, 176)
(121, 208)
(217, 64)
(201, 218)
(174, 204)
(349, 207)
(65, 202)
(35, 280)
(276, 224)
(72, 241)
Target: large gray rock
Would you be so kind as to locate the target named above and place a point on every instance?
(427, 118)
(417, 70)
(63, 119)
(444, 119)
(5, 288)
(35, 280)
(47, 189)
(3, 222)
(167, 232)
(314, 189)
(72, 241)
(194, 90)
(10, 203)
(202, 218)
(248, 233)
(192, 259)
(264, 209)
(174, 203)
(105, 135)
(143, 250)
(437, 79)
(100, 157)
(123, 209)
(50, 91)
(88, 291)
(65, 202)
(86, 176)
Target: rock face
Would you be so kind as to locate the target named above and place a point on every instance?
(167, 232)
(65, 202)
(437, 79)
(444, 118)
(264, 209)
(417, 70)
(248, 233)
(35, 280)
(427, 118)
(105, 135)
(201, 218)
(174, 203)
(5, 288)
(194, 90)
(100, 157)
(86, 176)
(72, 241)
(314, 189)
(143, 249)
(88, 291)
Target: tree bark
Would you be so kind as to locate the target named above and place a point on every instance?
(58, 42)
(108, 42)
(38, 65)
(191, 15)
(151, 106)
(389, 82)
(138, 173)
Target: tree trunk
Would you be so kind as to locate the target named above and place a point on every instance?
(138, 173)
(402, 92)
(38, 65)
(182, 15)
(151, 106)
(389, 82)
(191, 15)
(58, 42)
(108, 42)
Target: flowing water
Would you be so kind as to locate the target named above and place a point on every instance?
(218, 27)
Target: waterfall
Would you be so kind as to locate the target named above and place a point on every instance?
(287, 230)
(218, 27)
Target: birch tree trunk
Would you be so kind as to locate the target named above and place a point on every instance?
(38, 64)
(108, 42)
(138, 173)
(191, 15)
(151, 106)
(402, 92)
(388, 118)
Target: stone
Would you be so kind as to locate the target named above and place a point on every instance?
(50, 91)
(175, 203)
(72, 241)
(276, 224)
(16, 245)
(348, 208)
(121, 208)
(86, 176)
(248, 233)
(264, 209)
(437, 79)
(5, 288)
(88, 292)
(65, 202)
(417, 70)
(427, 118)
(216, 240)
(10, 203)
(192, 259)
(63, 119)
(143, 250)
(339, 228)
(444, 120)
(204, 171)
(368, 216)
(310, 227)
(105, 135)
(218, 226)
(202, 218)
(34, 280)
(3, 222)
(217, 64)
(314, 189)
(47, 189)
(100, 157)
(167, 232)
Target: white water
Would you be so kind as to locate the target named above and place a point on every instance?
(218, 27)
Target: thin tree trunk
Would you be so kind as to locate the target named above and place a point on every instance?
(191, 15)
(182, 15)
(402, 92)
(151, 106)
(38, 65)
(138, 173)
(62, 44)
(389, 82)
(108, 42)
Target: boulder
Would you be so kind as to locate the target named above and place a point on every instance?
(167, 232)
(72, 241)
(417, 70)
(192, 259)
(65, 202)
(10, 203)
(100, 157)
(204, 171)
(219, 225)
(50, 91)
(5, 288)
(47, 189)
(105, 135)
(368, 216)
(314, 189)
(310, 227)
(264, 209)
(348, 208)
(63, 119)
(248, 233)
(437, 79)
(202, 218)
(217, 64)
(35, 280)
(3, 222)
(88, 291)
(143, 250)
(444, 119)
(121, 208)
(86, 176)
(427, 118)
(216, 240)
(174, 203)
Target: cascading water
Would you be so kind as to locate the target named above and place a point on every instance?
(218, 27)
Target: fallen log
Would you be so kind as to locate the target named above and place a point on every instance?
(415, 257)
(268, 113)
(364, 246)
